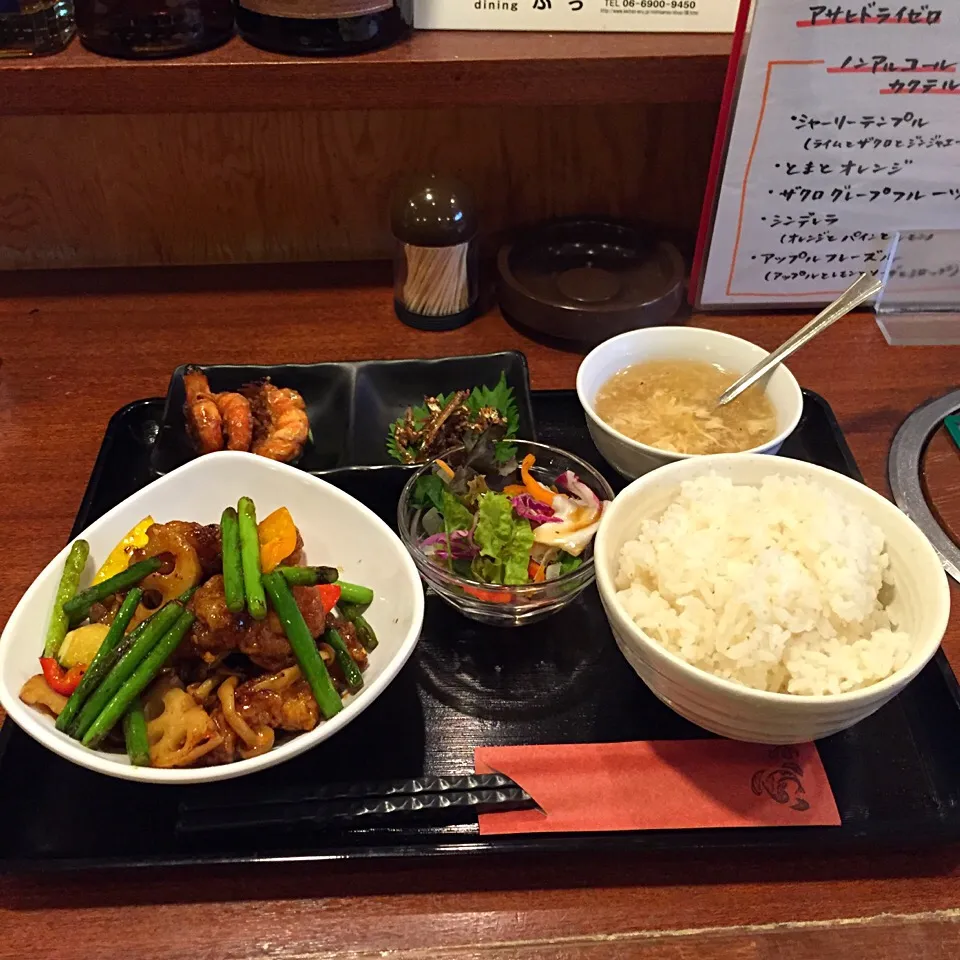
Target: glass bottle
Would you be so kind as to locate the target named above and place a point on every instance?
(34, 27)
(148, 29)
(326, 28)
(436, 265)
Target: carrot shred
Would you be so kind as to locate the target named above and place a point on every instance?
(536, 490)
(491, 596)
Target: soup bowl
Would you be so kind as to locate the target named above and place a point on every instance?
(630, 457)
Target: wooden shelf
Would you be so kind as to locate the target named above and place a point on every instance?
(428, 69)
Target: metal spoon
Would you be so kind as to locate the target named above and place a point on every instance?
(858, 292)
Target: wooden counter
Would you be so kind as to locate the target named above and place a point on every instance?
(77, 346)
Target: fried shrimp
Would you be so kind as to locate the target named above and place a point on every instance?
(284, 425)
(267, 420)
(237, 420)
(203, 417)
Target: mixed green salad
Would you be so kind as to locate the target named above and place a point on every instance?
(485, 517)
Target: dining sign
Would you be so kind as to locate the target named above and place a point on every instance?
(614, 16)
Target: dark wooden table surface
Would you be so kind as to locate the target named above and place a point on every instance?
(75, 347)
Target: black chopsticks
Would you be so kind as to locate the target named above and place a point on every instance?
(430, 801)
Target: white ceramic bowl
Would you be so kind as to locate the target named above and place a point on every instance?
(337, 530)
(921, 606)
(633, 459)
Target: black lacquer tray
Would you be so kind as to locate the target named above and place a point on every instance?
(896, 775)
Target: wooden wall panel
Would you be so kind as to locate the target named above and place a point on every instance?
(217, 188)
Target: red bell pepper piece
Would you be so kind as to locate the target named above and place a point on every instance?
(59, 680)
(329, 596)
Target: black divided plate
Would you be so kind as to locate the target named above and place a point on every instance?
(350, 405)
(895, 775)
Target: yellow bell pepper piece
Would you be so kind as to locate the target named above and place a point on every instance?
(278, 538)
(119, 558)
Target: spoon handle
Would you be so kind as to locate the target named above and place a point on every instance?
(859, 291)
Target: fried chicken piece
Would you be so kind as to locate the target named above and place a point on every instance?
(217, 631)
(206, 541)
(265, 643)
(293, 708)
(311, 606)
(289, 706)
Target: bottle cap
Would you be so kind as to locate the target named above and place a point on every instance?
(433, 211)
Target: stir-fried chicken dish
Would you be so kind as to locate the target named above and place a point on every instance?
(202, 644)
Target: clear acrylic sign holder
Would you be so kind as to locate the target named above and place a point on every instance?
(920, 301)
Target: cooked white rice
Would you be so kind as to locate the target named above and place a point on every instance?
(776, 587)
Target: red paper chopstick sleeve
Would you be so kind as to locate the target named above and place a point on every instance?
(661, 785)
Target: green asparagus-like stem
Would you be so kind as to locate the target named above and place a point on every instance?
(365, 633)
(78, 608)
(308, 576)
(158, 626)
(69, 582)
(102, 661)
(232, 563)
(304, 647)
(358, 596)
(138, 681)
(250, 559)
(351, 672)
(135, 734)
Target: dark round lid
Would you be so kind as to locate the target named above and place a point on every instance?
(433, 211)
(588, 278)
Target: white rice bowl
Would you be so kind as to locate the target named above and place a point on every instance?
(779, 586)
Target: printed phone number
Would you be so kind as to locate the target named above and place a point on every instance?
(650, 4)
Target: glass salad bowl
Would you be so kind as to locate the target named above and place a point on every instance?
(489, 540)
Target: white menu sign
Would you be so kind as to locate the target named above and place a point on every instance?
(846, 129)
(627, 16)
